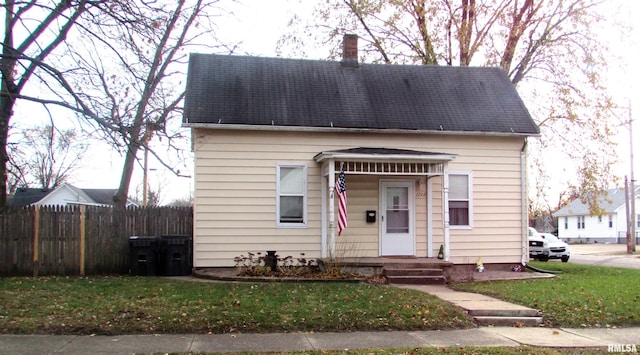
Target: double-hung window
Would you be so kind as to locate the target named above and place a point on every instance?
(460, 199)
(580, 222)
(291, 195)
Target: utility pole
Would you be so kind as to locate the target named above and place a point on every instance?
(631, 236)
(145, 178)
(627, 209)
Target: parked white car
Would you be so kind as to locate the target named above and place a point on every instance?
(538, 246)
(557, 248)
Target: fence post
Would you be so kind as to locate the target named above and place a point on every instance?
(82, 238)
(36, 243)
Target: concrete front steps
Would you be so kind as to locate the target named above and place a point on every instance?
(411, 275)
(485, 310)
(506, 317)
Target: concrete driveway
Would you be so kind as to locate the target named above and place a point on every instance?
(605, 255)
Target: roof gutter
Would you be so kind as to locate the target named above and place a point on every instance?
(351, 130)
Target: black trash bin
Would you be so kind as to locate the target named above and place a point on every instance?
(144, 255)
(176, 255)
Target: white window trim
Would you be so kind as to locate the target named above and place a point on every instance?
(469, 174)
(304, 198)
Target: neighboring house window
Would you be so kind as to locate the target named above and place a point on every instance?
(291, 195)
(566, 223)
(580, 222)
(460, 199)
(599, 219)
(610, 221)
(638, 221)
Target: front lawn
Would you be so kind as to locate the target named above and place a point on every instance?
(130, 305)
(582, 296)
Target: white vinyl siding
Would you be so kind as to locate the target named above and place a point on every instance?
(236, 187)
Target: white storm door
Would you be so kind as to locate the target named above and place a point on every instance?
(397, 215)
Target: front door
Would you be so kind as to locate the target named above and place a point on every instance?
(397, 205)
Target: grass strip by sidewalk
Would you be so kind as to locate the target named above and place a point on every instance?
(131, 305)
(463, 350)
(582, 296)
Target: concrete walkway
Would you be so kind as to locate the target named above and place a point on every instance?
(485, 336)
(485, 310)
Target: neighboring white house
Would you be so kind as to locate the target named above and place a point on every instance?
(575, 224)
(64, 195)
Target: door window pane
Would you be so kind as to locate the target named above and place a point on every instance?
(397, 210)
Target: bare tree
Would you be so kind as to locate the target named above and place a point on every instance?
(139, 90)
(132, 76)
(44, 156)
(33, 30)
(547, 48)
(121, 72)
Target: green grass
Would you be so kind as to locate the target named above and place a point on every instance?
(471, 350)
(131, 305)
(582, 296)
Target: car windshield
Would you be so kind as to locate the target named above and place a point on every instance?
(551, 238)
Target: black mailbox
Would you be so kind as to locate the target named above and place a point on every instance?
(371, 216)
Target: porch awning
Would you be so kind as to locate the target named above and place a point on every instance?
(386, 161)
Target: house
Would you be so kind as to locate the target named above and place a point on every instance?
(576, 224)
(63, 195)
(432, 156)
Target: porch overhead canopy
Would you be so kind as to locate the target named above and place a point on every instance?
(387, 161)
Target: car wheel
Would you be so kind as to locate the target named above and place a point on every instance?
(564, 258)
(543, 258)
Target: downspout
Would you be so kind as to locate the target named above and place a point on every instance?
(525, 216)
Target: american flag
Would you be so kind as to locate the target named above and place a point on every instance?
(341, 189)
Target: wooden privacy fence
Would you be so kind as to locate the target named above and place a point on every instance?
(80, 240)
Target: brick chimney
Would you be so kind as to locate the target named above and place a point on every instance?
(350, 50)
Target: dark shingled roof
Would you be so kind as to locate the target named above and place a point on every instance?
(101, 196)
(237, 90)
(383, 151)
(28, 196)
(25, 196)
